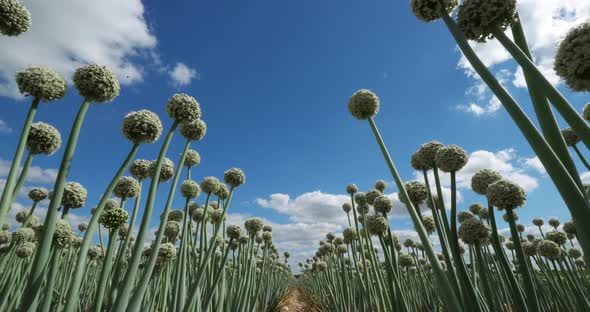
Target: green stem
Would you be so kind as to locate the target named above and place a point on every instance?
(125, 288)
(531, 293)
(78, 273)
(565, 109)
(100, 237)
(139, 292)
(123, 250)
(195, 285)
(483, 273)
(30, 215)
(571, 194)
(31, 294)
(51, 280)
(5, 200)
(106, 269)
(22, 177)
(547, 121)
(582, 158)
(217, 277)
(447, 290)
(503, 259)
(180, 287)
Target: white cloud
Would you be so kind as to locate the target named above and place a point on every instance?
(35, 174)
(535, 164)
(506, 162)
(4, 128)
(182, 75)
(481, 94)
(313, 206)
(300, 239)
(40, 211)
(545, 23)
(313, 214)
(109, 32)
(492, 106)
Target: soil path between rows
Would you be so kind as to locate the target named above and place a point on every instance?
(296, 300)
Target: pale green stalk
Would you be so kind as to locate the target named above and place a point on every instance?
(565, 109)
(449, 295)
(134, 302)
(31, 295)
(575, 200)
(105, 271)
(119, 264)
(6, 198)
(194, 287)
(77, 275)
(126, 285)
(22, 177)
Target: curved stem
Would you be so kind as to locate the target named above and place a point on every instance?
(134, 302)
(531, 293)
(106, 269)
(22, 177)
(16, 160)
(565, 109)
(571, 194)
(123, 249)
(217, 277)
(78, 273)
(582, 158)
(503, 259)
(126, 286)
(30, 215)
(543, 111)
(31, 294)
(200, 272)
(450, 297)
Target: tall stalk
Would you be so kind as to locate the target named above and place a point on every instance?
(5, 200)
(22, 177)
(31, 295)
(126, 285)
(77, 275)
(565, 109)
(449, 296)
(575, 200)
(543, 111)
(138, 294)
(532, 303)
(105, 271)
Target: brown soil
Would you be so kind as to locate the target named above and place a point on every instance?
(296, 300)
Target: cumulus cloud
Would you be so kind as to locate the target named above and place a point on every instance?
(4, 128)
(535, 164)
(484, 102)
(506, 162)
(315, 213)
(312, 216)
(182, 75)
(300, 239)
(109, 32)
(40, 211)
(313, 206)
(545, 23)
(35, 174)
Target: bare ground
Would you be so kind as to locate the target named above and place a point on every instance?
(296, 300)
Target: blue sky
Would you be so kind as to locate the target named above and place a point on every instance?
(273, 79)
